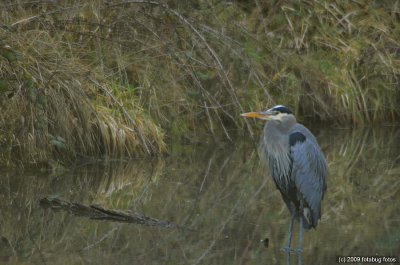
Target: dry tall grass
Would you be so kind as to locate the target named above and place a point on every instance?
(54, 102)
(110, 77)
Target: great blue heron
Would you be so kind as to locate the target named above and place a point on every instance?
(297, 165)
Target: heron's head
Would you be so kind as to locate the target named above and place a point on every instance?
(277, 113)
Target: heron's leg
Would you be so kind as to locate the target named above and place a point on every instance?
(300, 249)
(290, 232)
(287, 248)
(301, 210)
(288, 258)
(299, 259)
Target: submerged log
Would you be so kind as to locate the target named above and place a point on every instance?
(99, 213)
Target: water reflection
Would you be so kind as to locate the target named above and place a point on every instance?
(221, 193)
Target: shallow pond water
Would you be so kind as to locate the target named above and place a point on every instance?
(222, 197)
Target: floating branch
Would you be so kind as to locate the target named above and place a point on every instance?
(98, 213)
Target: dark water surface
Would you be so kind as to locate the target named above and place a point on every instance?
(220, 192)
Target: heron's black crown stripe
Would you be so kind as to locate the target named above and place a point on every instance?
(282, 109)
(296, 137)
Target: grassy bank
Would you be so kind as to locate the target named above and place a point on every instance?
(94, 78)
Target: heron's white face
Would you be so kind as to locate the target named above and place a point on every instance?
(277, 113)
(277, 117)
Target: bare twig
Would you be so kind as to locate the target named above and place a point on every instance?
(28, 19)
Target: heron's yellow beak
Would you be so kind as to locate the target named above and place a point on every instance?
(260, 115)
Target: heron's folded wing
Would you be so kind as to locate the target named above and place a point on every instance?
(309, 171)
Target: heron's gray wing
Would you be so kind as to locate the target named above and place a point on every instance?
(309, 171)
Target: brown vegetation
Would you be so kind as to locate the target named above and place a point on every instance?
(98, 77)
